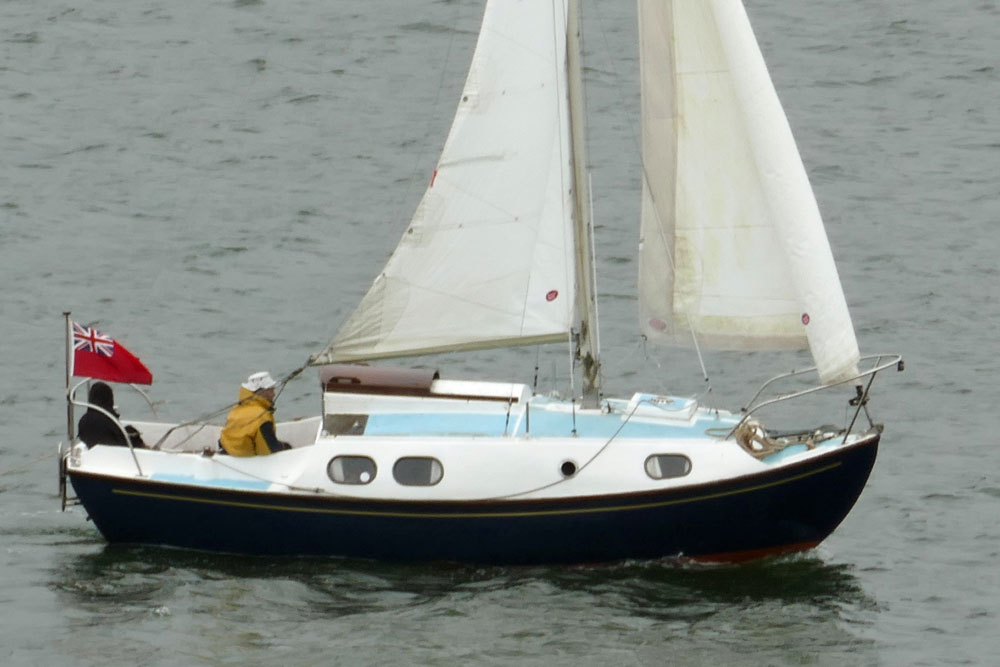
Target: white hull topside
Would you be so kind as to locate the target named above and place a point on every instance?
(486, 449)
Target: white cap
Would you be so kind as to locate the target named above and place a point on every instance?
(258, 381)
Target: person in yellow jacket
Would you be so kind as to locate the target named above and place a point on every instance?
(249, 429)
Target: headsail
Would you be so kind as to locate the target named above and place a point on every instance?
(733, 249)
(487, 260)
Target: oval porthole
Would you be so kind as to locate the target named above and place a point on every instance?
(417, 471)
(351, 469)
(666, 466)
(567, 468)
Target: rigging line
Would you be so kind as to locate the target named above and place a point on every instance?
(538, 227)
(420, 158)
(582, 467)
(600, 451)
(614, 435)
(538, 355)
(665, 241)
(202, 420)
(565, 152)
(641, 347)
(697, 348)
(593, 269)
(572, 366)
(637, 145)
(321, 491)
(506, 423)
(509, 215)
(291, 487)
(27, 465)
(618, 77)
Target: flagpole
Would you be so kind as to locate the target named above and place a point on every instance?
(69, 378)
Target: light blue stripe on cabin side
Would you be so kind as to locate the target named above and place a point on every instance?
(437, 424)
(247, 484)
(542, 424)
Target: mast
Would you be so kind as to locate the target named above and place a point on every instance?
(587, 343)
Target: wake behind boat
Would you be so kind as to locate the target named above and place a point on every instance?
(406, 465)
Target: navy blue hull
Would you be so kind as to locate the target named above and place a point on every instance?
(787, 510)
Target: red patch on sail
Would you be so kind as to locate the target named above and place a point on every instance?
(551, 296)
(805, 318)
(658, 324)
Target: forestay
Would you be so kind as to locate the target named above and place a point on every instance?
(487, 259)
(733, 250)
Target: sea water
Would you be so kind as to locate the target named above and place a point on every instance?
(217, 183)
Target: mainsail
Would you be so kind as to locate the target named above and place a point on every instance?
(488, 257)
(733, 253)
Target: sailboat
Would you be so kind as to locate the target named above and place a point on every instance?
(407, 465)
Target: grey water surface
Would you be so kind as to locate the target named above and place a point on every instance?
(215, 183)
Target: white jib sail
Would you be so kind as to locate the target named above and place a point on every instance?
(732, 248)
(487, 260)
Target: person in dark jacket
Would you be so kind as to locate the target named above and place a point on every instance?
(97, 428)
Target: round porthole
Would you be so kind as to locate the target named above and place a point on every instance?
(567, 468)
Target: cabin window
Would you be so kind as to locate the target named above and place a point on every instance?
(345, 424)
(351, 469)
(418, 471)
(665, 466)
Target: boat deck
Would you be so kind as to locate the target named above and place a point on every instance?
(644, 416)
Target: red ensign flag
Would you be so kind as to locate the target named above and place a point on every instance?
(98, 356)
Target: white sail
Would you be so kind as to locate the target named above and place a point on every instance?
(732, 246)
(487, 260)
